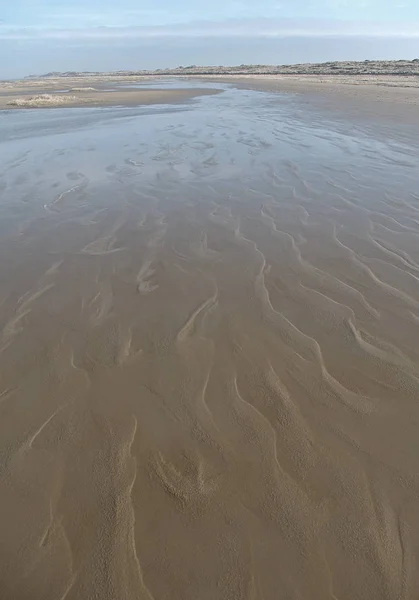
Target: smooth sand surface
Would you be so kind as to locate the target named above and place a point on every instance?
(379, 87)
(209, 353)
(389, 97)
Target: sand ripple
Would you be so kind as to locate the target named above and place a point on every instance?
(209, 359)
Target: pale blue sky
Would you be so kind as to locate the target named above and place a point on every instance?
(43, 35)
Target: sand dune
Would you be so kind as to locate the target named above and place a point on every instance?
(209, 355)
(42, 100)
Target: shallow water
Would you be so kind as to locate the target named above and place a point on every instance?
(209, 320)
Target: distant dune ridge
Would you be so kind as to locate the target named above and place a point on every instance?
(366, 67)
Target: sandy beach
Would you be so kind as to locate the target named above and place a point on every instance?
(387, 88)
(46, 94)
(209, 342)
(385, 96)
(391, 87)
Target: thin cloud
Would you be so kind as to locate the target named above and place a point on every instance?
(249, 28)
(77, 14)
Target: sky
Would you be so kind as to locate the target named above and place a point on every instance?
(38, 36)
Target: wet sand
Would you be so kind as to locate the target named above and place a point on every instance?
(209, 320)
